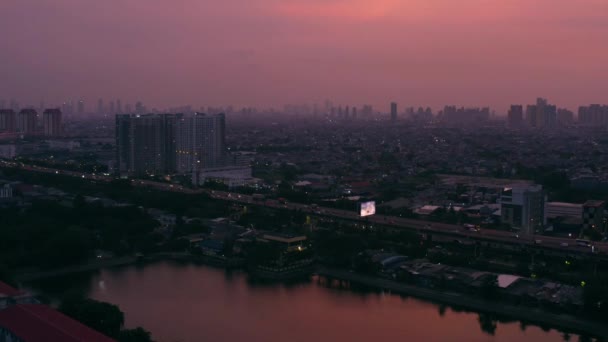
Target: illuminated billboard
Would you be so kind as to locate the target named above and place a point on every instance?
(367, 208)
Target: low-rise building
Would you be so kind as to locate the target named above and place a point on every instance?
(562, 209)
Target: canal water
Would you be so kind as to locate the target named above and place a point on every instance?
(191, 303)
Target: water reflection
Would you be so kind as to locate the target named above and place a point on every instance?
(185, 302)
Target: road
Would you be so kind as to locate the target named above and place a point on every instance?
(424, 227)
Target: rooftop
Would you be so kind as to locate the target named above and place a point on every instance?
(594, 203)
(41, 323)
(9, 291)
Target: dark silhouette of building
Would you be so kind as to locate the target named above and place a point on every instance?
(8, 122)
(516, 116)
(146, 144)
(393, 111)
(27, 121)
(52, 122)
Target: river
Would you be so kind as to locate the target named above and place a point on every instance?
(191, 303)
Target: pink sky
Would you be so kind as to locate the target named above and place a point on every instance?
(272, 52)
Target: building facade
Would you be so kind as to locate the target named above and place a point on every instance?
(52, 122)
(8, 121)
(27, 121)
(523, 208)
(516, 116)
(146, 144)
(593, 215)
(561, 209)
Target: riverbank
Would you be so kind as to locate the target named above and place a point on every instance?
(561, 321)
(90, 266)
(533, 315)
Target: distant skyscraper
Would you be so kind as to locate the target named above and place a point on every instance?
(516, 116)
(118, 106)
(531, 115)
(112, 108)
(80, 107)
(100, 106)
(27, 121)
(139, 108)
(542, 115)
(52, 122)
(393, 111)
(565, 117)
(7, 121)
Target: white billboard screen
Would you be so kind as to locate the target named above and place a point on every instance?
(368, 208)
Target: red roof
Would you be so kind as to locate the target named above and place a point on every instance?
(7, 290)
(41, 323)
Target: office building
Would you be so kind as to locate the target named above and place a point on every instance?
(593, 215)
(8, 122)
(393, 111)
(27, 121)
(523, 208)
(52, 122)
(146, 144)
(516, 116)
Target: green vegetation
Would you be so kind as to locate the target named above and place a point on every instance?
(51, 234)
(103, 317)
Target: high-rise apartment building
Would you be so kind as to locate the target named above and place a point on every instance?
(27, 121)
(8, 122)
(516, 116)
(201, 142)
(524, 208)
(565, 117)
(146, 144)
(100, 106)
(52, 122)
(593, 115)
(542, 115)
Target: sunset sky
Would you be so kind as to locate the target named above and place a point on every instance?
(272, 52)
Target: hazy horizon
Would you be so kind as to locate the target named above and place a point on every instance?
(272, 52)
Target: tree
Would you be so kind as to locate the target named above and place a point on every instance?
(6, 276)
(103, 317)
(134, 335)
(489, 287)
(487, 324)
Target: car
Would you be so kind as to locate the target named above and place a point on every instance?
(516, 236)
(564, 244)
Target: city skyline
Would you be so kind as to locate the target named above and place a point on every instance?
(269, 53)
